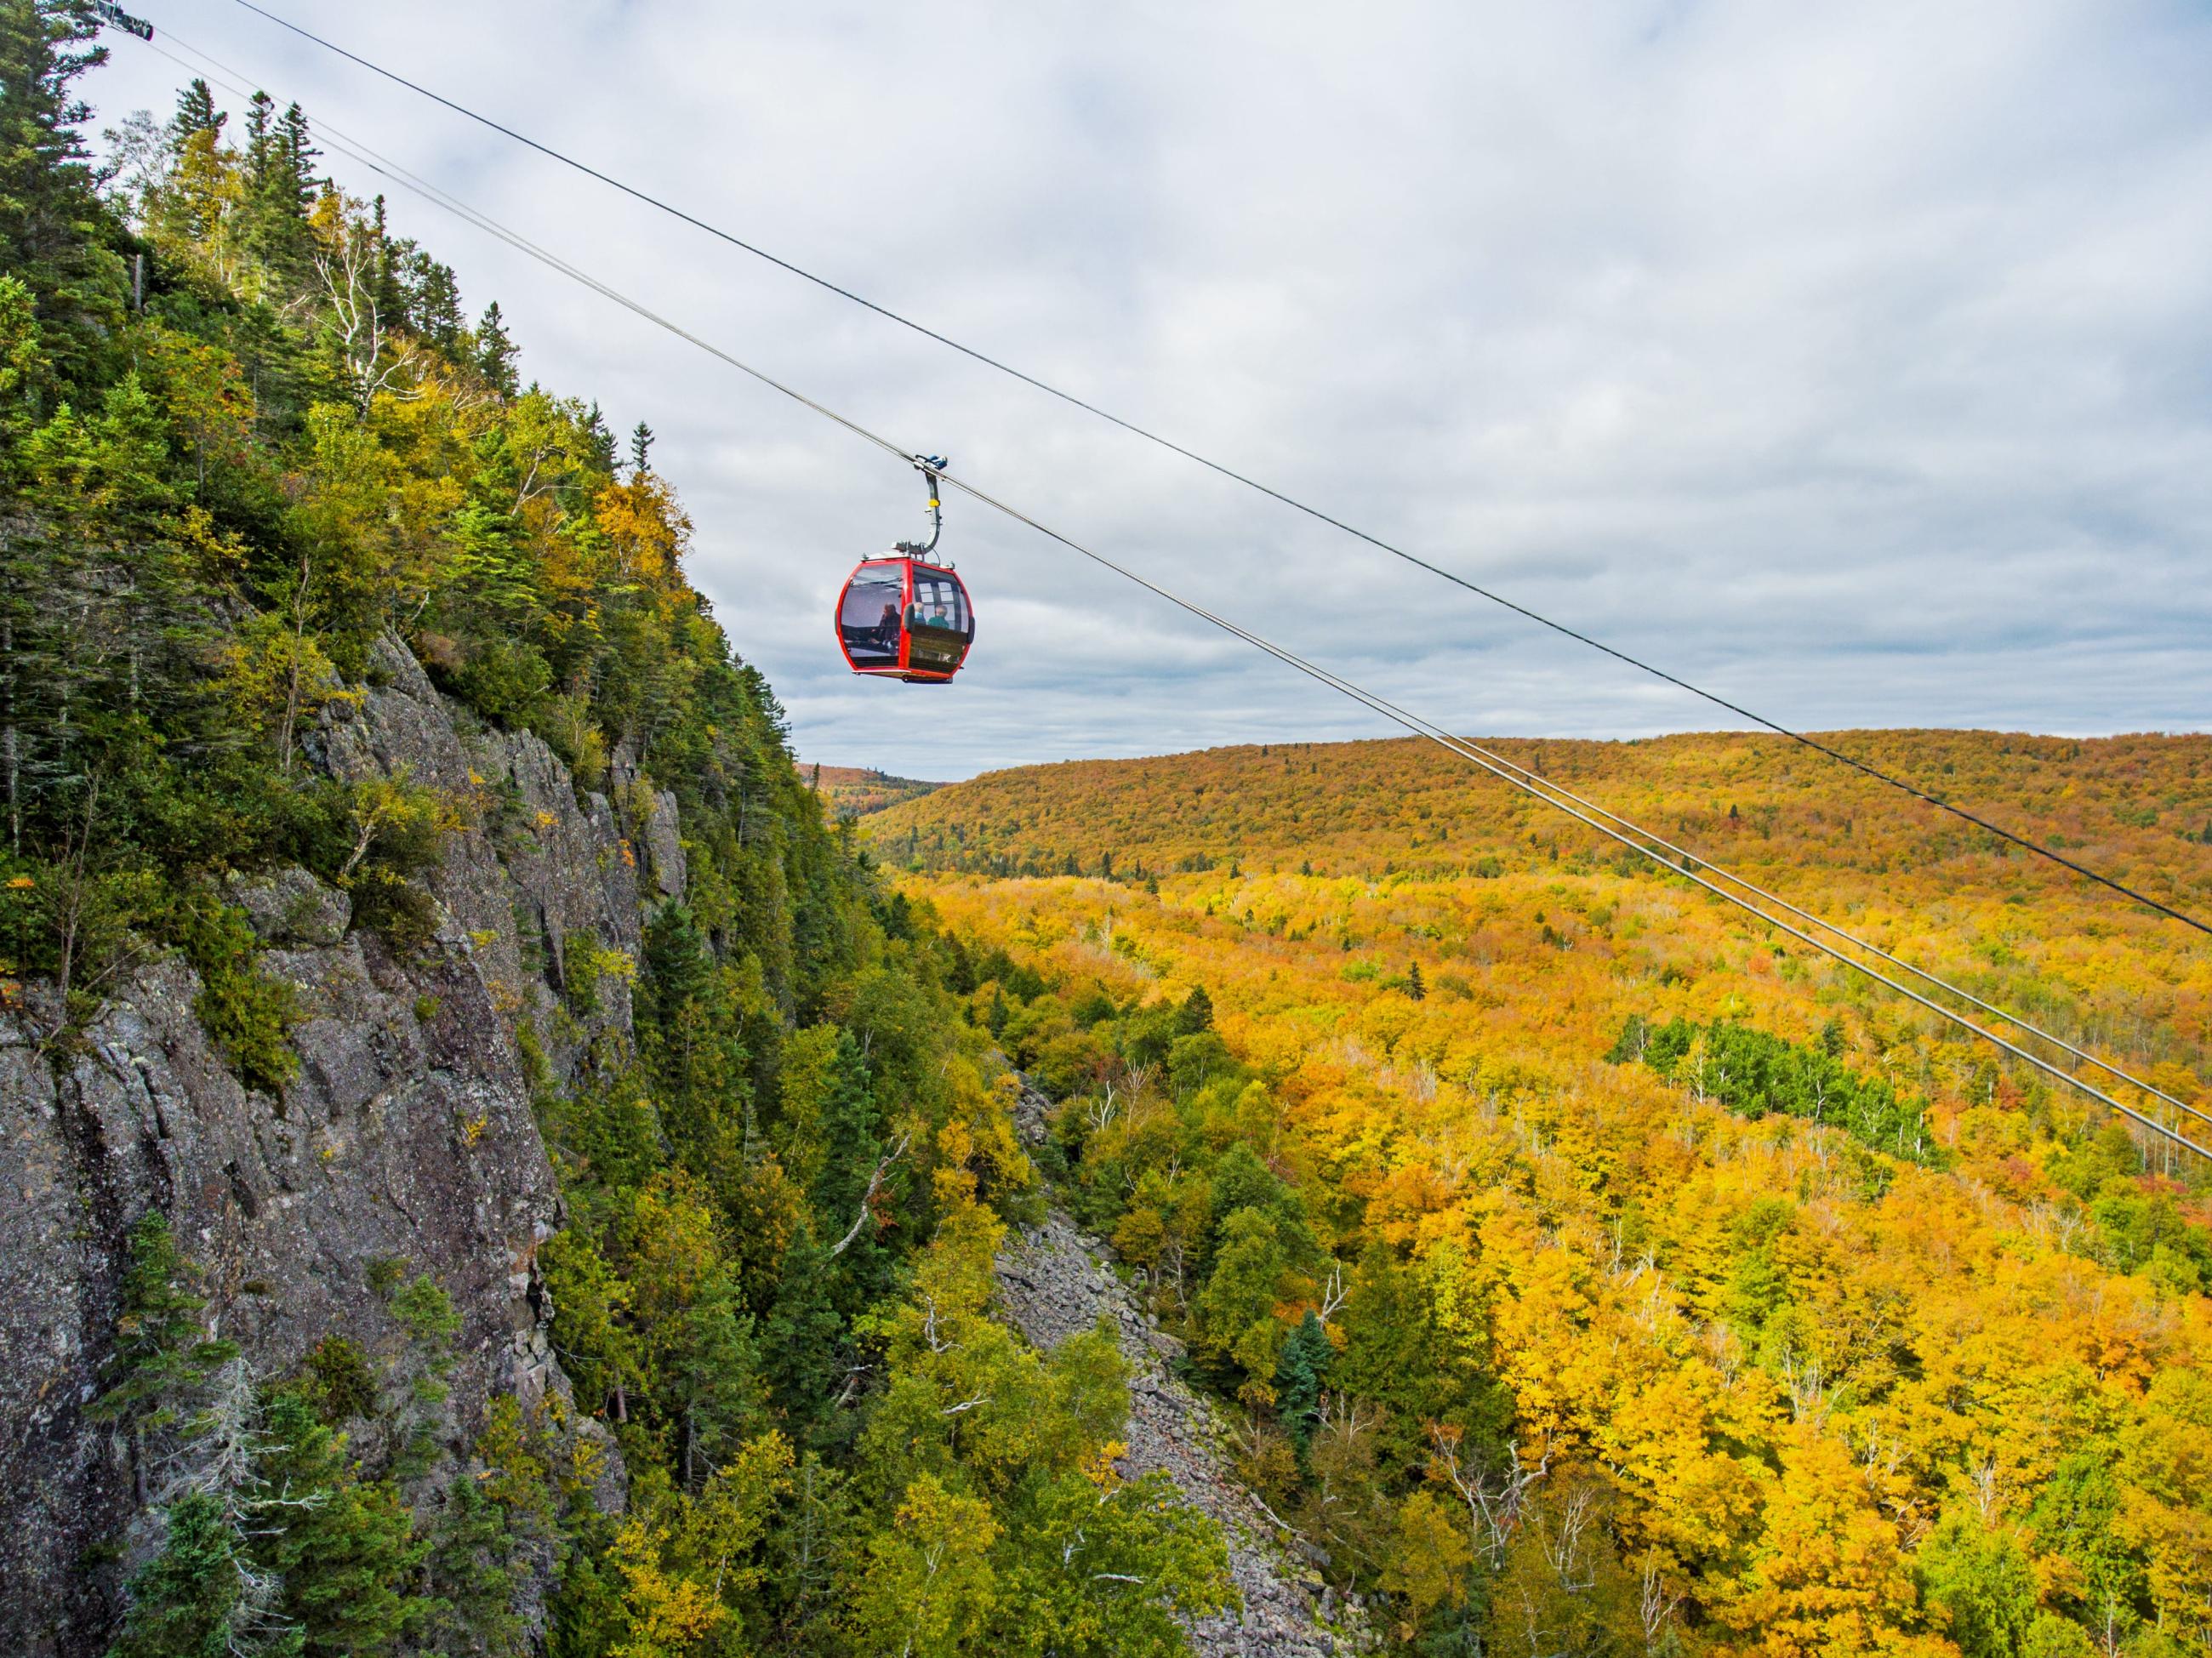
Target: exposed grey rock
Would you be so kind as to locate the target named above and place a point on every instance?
(401, 728)
(291, 907)
(1053, 1283)
(669, 870)
(407, 1136)
(539, 868)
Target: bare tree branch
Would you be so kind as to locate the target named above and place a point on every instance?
(868, 1196)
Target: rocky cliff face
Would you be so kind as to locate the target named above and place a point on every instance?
(407, 1139)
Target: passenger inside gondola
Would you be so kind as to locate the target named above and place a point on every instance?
(868, 621)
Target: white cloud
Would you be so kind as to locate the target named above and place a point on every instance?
(1852, 358)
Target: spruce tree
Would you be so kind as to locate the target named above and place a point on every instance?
(196, 113)
(496, 352)
(384, 279)
(163, 1356)
(183, 1603)
(1300, 1373)
(1196, 1013)
(55, 232)
(296, 156)
(469, 1572)
(721, 1399)
(802, 1342)
(343, 1551)
(431, 302)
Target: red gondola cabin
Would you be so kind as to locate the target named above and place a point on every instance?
(900, 618)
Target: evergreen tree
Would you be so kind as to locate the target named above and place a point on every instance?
(54, 231)
(1300, 1373)
(1414, 985)
(850, 1149)
(384, 281)
(802, 1339)
(469, 1572)
(688, 1038)
(196, 113)
(641, 450)
(260, 152)
(1196, 1013)
(183, 1603)
(296, 156)
(598, 441)
(426, 1315)
(432, 301)
(496, 352)
(343, 1551)
(722, 1399)
(162, 1356)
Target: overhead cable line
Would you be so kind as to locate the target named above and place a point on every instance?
(1606, 823)
(1864, 767)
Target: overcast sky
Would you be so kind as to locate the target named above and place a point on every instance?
(1853, 360)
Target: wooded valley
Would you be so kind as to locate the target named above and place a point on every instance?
(1595, 1269)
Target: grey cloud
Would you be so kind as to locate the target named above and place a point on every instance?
(1853, 357)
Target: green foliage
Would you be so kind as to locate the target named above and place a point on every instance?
(249, 1014)
(1752, 1073)
(1300, 1372)
(237, 510)
(185, 1601)
(336, 1377)
(162, 1354)
(1982, 1579)
(344, 1550)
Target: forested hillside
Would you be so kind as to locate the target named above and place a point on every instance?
(489, 1169)
(1594, 1269)
(858, 791)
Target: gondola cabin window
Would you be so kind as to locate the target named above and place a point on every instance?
(868, 621)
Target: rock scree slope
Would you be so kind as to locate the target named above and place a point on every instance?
(1053, 1283)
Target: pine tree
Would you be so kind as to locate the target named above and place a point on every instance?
(1414, 985)
(641, 450)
